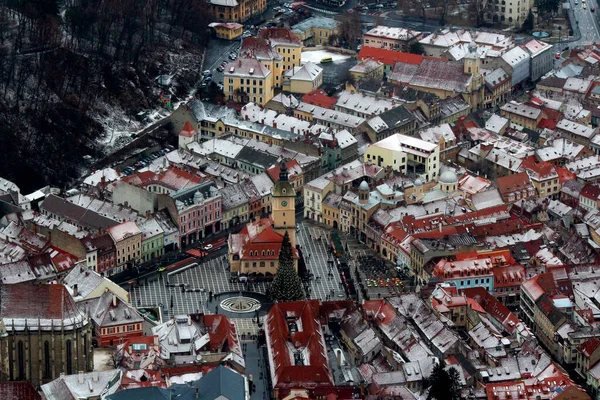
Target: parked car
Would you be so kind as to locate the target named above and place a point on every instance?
(223, 64)
(232, 56)
(206, 73)
(220, 69)
(220, 87)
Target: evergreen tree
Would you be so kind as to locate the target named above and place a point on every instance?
(416, 48)
(286, 285)
(445, 385)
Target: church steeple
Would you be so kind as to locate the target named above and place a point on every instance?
(283, 205)
(283, 172)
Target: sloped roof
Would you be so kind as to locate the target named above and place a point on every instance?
(389, 57)
(19, 391)
(511, 183)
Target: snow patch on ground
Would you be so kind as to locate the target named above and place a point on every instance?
(316, 56)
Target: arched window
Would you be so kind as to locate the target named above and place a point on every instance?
(510, 19)
(20, 361)
(47, 372)
(69, 358)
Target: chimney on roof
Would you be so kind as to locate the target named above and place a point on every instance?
(275, 124)
(80, 377)
(114, 300)
(497, 157)
(510, 164)
(95, 376)
(262, 121)
(75, 290)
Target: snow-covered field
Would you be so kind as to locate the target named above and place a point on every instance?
(316, 56)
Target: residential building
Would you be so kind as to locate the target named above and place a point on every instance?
(517, 63)
(46, 333)
(228, 30)
(152, 239)
(101, 254)
(212, 338)
(542, 58)
(235, 206)
(235, 11)
(362, 105)
(516, 187)
(397, 120)
(437, 43)
(407, 155)
(315, 30)
(221, 383)
(303, 79)
(389, 58)
(512, 14)
(246, 79)
(466, 273)
(385, 37)
(544, 177)
(367, 69)
(578, 133)
(522, 114)
(307, 363)
(63, 210)
(114, 320)
(589, 197)
(86, 284)
(198, 211)
(540, 311)
(128, 242)
(497, 88)
(445, 79)
(444, 137)
(83, 386)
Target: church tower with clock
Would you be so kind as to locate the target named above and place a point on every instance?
(283, 206)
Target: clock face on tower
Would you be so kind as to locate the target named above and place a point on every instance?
(284, 203)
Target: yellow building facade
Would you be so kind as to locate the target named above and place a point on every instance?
(247, 80)
(227, 30)
(235, 10)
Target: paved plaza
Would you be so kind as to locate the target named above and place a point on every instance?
(316, 255)
(209, 275)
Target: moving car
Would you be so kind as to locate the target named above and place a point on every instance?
(207, 247)
(325, 60)
(161, 269)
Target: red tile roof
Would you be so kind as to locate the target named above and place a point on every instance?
(307, 341)
(565, 175)
(173, 178)
(508, 276)
(32, 301)
(18, 391)
(512, 183)
(588, 347)
(493, 307)
(389, 57)
(188, 130)
(590, 191)
(546, 123)
(318, 97)
(292, 166)
(221, 331)
(539, 169)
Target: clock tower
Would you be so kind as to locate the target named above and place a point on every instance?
(283, 206)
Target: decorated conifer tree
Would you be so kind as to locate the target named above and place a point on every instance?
(286, 285)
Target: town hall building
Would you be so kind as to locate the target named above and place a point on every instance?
(255, 250)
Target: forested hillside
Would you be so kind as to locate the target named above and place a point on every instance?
(72, 70)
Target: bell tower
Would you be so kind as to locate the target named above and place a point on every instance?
(283, 205)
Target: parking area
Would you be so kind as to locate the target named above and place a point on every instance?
(218, 53)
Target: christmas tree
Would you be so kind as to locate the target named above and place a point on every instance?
(287, 285)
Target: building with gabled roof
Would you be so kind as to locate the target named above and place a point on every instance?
(247, 79)
(114, 319)
(303, 79)
(235, 10)
(516, 187)
(41, 314)
(296, 347)
(83, 386)
(208, 338)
